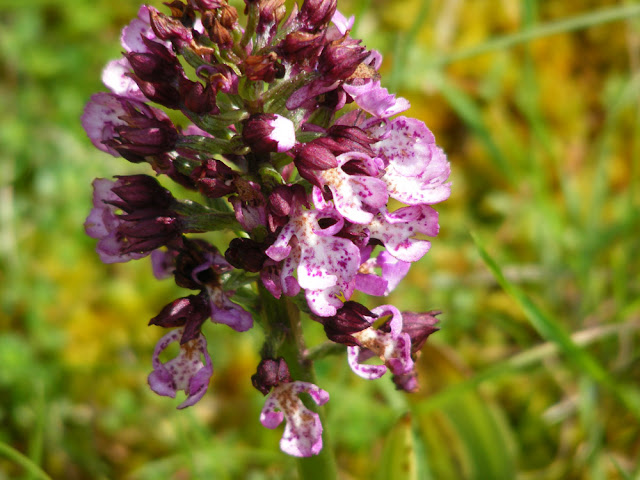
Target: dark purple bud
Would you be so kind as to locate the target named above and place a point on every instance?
(268, 132)
(157, 64)
(198, 264)
(197, 98)
(263, 67)
(190, 312)
(351, 139)
(161, 93)
(419, 326)
(302, 47)
(214, 179)
(280, 201)
(270, 373)
(146, 137)
(316, 14)
(246, 254)
(167, 28)
(140, 192)
(316, 156)
(347, 321)
(341, 58)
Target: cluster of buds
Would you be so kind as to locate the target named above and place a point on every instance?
(295, 147)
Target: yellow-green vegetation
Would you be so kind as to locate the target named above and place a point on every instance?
(535, 373)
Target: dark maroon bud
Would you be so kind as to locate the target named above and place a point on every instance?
(263, 67)
(197, 98)
(161, 93)
(302, 47)
(141, 142)
(340, 58)
(214, 179)
(188, 312)
(246, 254)
(280, 200)
(146, 230)
(137, 192)
(419, 326)
(167, 28)
(347, 321)
(316, 14)
(351, 138)
(199, 263)
(270, 373)
(157, 64)
(316, 156)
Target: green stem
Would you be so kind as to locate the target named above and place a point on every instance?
(14, 455)
(285, 338)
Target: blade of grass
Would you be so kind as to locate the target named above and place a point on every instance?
(552, 330)
(26, 463)
(578, 22)
(523, 360)
(401, 52)
(471, 114)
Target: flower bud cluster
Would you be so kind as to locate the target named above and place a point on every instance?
(296, 147)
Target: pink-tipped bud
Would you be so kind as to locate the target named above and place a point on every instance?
(268, 132)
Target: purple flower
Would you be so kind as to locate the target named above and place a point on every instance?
(185, 372)
(116, 77)
(416, 168)
(127, 127)
(392, 347)
(327, 264)
(377, 101)
(393, 271)
(225, 311)
(147, 221)
(356, 197)
(302, 435)
(396, 231)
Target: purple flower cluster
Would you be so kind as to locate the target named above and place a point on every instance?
(296, 147)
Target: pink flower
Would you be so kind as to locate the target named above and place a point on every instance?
(302, 435)
(376, 100)
(397, 231)
(185, 372)
(393, 347)
(326, 266)
(356, 197)
(416, 169)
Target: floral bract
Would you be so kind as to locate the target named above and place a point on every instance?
(295, 146)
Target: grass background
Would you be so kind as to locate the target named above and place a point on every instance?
(535, 372)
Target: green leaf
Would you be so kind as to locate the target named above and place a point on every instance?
(551, 329)
(398, 458)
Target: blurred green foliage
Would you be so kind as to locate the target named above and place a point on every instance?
(535, 372)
